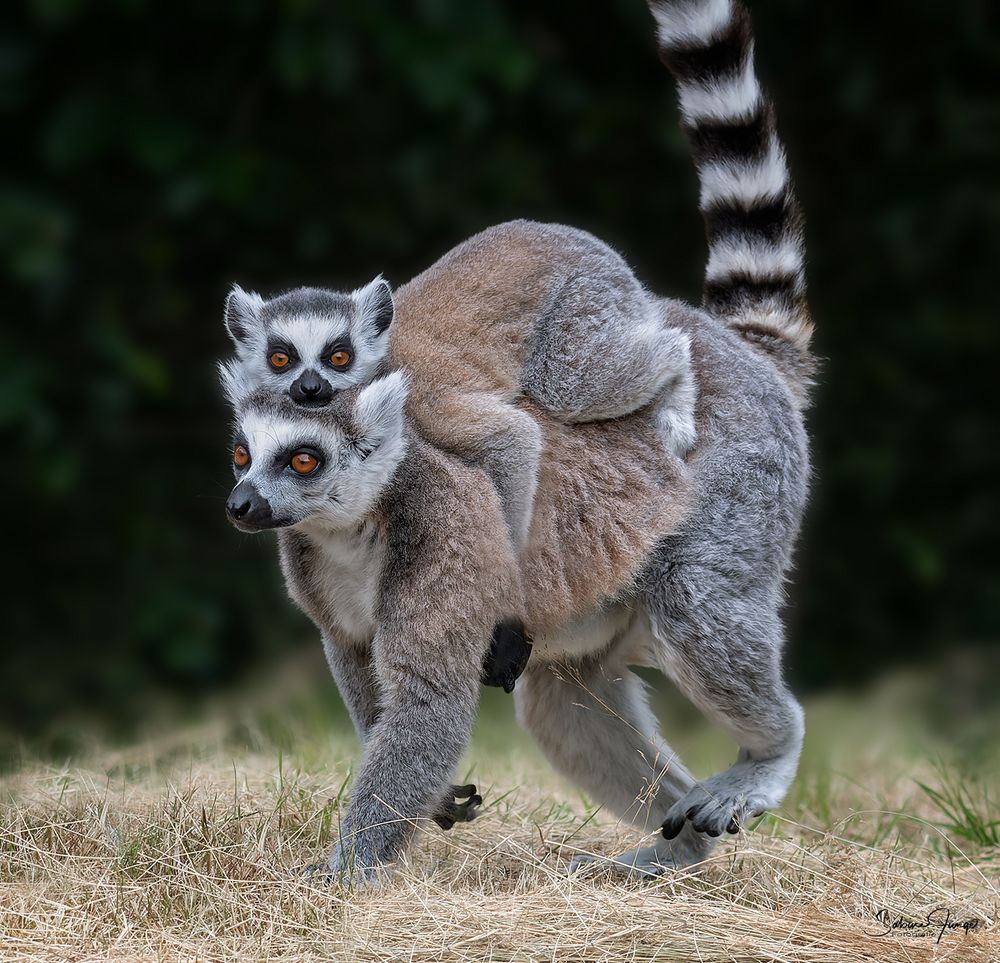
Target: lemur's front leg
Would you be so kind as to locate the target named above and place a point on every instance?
(351, 667)
(429, 699)
(450, 573)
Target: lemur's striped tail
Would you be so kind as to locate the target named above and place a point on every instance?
(755, 278)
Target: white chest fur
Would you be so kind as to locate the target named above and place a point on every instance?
(345, 579)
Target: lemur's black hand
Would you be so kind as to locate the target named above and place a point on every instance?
(508, 655)
(451, 811)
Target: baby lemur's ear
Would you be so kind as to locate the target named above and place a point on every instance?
(374, 304)
(242, 313)
(380, 407)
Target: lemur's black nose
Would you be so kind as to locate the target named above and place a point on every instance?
(249, 511)
(238, 507)
(310, 389)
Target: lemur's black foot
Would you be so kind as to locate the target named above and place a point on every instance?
(508, 655)
(451, 811)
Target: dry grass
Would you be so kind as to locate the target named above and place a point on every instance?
(185, 851)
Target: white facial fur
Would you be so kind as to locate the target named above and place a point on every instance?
(254, 329)
(357, 460)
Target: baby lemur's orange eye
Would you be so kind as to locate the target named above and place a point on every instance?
(279, 359)
(340, 359)
(303, 463)
(241, 457)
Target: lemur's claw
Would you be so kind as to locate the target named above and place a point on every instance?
(451, 811)
(722, 804)
(508, 655)
(672, 826)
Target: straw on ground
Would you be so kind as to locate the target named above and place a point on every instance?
(127, 857)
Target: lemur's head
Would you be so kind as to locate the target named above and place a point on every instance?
(325, 466)
(309, 343)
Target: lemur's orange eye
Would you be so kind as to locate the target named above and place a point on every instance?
(241, 457)
(340, 359)
(279, 359)
(303, 463)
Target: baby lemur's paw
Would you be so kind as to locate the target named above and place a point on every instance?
(452, 811)
(508, 655)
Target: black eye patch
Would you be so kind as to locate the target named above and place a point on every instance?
(280, 356)
(283, 456)
(338, 355)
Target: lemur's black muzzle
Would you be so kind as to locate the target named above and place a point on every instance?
(248, 510)
(310, 389)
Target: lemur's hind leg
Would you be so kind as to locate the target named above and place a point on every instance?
(728, 663)
(607, 348)
(594, 725)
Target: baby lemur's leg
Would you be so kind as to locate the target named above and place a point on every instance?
(606, 348)
(593, 723)
(352, 671)
(500, 438)
(509, 448)
(724, 653)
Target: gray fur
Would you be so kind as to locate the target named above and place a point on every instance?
(351, 667)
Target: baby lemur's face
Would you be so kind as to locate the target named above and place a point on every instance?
(309, 343)
(314, 466)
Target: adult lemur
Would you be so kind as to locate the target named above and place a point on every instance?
(366, 502)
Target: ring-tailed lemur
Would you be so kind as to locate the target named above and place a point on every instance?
(521, 311)
(706, 607)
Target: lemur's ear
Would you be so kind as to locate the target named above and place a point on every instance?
(380, 406)
(375, 305)
(242, 313)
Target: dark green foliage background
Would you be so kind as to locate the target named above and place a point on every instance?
(153, 153)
